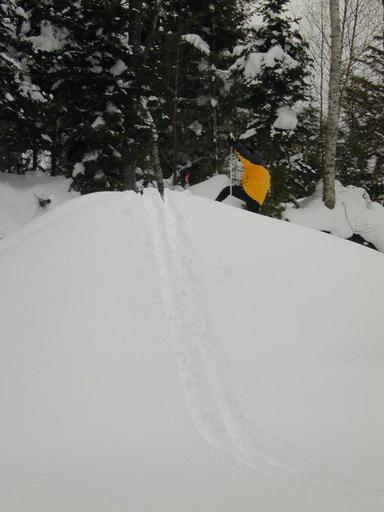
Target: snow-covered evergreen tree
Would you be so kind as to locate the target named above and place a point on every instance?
(269, 75)
(196, 43)
(9, 69)
(147, 94)
(78, 59)
(361, 149)
(20, 99)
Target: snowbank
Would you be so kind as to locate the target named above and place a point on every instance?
(186, 355)
(19, 198)
(354, 213)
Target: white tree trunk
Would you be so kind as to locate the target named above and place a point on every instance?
(333, 106)
(382, 3)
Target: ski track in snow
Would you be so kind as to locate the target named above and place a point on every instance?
(185, 310)
(212, 408)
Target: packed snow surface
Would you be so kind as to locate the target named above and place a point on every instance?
(186, 355)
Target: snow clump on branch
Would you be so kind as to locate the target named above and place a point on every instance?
(196, 41)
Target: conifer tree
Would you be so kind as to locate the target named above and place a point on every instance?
(9, 69)
(78, 59)
(20, 99)
(193, 116)
(361, 151)
(146, 97)
(269, 76)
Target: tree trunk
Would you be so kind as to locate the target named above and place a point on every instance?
(34, 156)
(158, 171)
(54, 151)
(378, 171)
(214, 102)
(383, 20)
(215, 121)
(333, 107)
(175, 116)
(322, 45)
(152, 33)
(129, 176)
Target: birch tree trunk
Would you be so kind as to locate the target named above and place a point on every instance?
(382, 3)
(333, 107)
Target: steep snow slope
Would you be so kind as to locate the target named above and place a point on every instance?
(188, 356)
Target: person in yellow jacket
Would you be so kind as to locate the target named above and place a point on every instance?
(255, 180)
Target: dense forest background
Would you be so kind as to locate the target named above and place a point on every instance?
(114, 93)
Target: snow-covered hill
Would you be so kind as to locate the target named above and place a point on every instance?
(188, 356)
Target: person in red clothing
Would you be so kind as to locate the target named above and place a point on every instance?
(255, 180)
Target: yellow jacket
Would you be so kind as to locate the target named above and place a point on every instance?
(255, 180)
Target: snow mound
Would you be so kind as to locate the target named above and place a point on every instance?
(19, 198)
(184, 355)
(354, 213)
